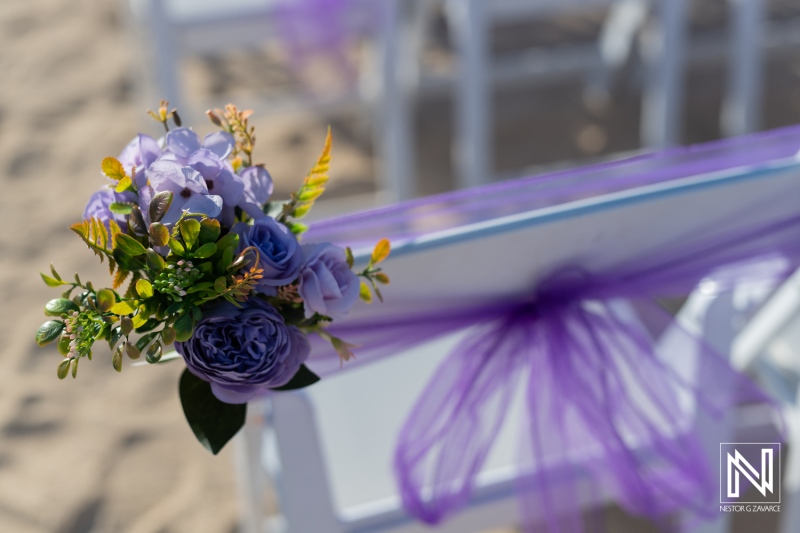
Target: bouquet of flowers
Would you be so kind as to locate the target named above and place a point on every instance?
(213, 265)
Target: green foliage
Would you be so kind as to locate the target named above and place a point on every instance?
(59, 306)
(213, 422)
(121, 208)
(48, 332)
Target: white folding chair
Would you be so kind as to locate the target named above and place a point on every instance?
(472, 20)
(172, 30)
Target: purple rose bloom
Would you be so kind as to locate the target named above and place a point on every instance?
(328, 285)
(188, 188)
(98, 206)
(241, 351)
(280, 254)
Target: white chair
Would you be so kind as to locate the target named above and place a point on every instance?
(664, 50)
(330, 480)
(172, 30)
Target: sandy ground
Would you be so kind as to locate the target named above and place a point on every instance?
(112, 453)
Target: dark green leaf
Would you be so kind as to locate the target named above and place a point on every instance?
(116, 335)
(150, 325)
(231, 240)
(168, 335)
(144, 288)
(190, 231)
(159, 206)
(129, 245)
(144, 340)
(183, 328)
(120, 208)
(126, 261)
(154, 261)
(209, 230)
(48, 332)
(59, 306)
(303, 378)
(213, 422)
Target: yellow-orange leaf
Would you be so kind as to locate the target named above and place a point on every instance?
(381, 251)
(113, 168)
(123, 184)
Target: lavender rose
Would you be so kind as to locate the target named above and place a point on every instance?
(327, 284)
(279, 250)
(241, 351)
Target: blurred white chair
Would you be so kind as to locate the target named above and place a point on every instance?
(664, 44)
(769, 347)
(173, 30)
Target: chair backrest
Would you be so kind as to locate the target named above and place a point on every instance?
(333, 441)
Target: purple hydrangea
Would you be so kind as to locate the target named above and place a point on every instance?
(280, 253)
(188, 187)
(140, 153)
(242, 351)
(328, 285)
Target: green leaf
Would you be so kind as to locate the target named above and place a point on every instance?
(147, 324)
(113, 168)
(129, 245)
(144, 340)
(301, 210)
(213, 422)
(123, 184)
(303, 378)
(127, 262)
(159, 234)
(205, 251)
(220, 284)
(121, 208)
(48, 332)
(51, 282)
(168, 335)
(229, 241)
(190, 231)
(63, 344)
(59, 306)
(75, 368)
(159, 206)
(176, 247)
(105, 300)
(348, 253)
(297, 227)
(123, 308)
(144, 288)
(63, 368)
(153, 354)
(364, 293)
(380, 277)
(53, 271)
(209, 230)
(155, 262)
(116, 358)
(183, 328)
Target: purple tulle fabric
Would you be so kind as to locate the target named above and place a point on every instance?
(601, 400)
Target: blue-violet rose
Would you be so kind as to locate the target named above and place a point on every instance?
(242, 351)
(328, 285)
(280, 254)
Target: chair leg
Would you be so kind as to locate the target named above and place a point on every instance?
(741, 108)
(473, 139)
(392, 106)
(664, 47)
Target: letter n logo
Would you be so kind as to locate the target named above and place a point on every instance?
(743, 465)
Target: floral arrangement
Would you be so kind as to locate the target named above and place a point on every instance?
(213, 265)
